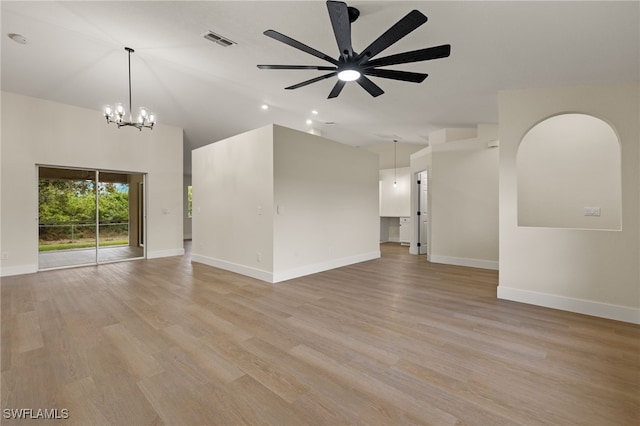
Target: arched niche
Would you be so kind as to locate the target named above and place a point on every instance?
(569, 174)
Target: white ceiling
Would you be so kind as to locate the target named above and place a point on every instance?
(75, 55)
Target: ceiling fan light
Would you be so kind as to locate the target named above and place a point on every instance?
(143, 112)
(120, 110)
(108, 112)
(152, 118)
(348, 75)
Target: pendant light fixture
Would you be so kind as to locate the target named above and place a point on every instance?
(117, 114)
(395, 165)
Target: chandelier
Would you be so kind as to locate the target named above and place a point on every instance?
(117, 114)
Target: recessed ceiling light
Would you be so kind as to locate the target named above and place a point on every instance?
(265, 106)
(309, 121)
(314, 112)
(18, 38)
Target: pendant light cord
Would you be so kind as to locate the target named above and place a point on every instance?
(129, 50)
(395, 164)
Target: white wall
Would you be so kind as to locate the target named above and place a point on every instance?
(395, 201)
(588, 271)
(233, 203)
(36, 131)
(463, 188)
(452, 135)
(326, 197)
(462, 197)
(276, 203)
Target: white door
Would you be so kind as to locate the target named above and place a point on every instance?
(423, 217)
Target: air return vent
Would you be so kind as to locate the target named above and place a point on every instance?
(216, 38)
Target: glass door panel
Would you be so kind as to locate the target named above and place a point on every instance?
(118, 216)
(66, 217)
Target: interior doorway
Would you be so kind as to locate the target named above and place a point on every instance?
(88, 216)
(422, 183)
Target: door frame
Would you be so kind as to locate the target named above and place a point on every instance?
(96, 172)
(418, 246)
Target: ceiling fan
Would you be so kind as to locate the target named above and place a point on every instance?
(352, 66)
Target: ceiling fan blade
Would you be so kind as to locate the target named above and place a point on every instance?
(410, 22)
(339, 15)
(295, 67)
(412, 77)
(436, 52)
(370, 86)
(313, 80)
(300, 46)
(337, 89)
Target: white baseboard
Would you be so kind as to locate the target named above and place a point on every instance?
(580, 306)
(273, 278)
(258, 274)
(7, 271)
(324, 266)
(464, 261)
(165, 253)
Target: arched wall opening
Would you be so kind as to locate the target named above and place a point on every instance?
(569, 174)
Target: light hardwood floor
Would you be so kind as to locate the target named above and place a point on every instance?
(391, 341)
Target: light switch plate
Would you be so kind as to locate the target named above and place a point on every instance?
(592, 211)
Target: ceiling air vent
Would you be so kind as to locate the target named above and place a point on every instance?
(216, 38)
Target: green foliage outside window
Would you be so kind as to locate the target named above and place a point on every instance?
(64, 201)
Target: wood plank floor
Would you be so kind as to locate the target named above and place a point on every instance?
(391, 341)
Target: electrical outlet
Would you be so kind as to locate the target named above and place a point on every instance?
(592, 211)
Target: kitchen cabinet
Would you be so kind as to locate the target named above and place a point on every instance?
(405, 230)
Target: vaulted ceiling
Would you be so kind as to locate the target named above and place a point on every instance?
(75, 55)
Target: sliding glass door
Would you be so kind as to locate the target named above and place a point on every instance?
(118, 216)
(89, 216)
